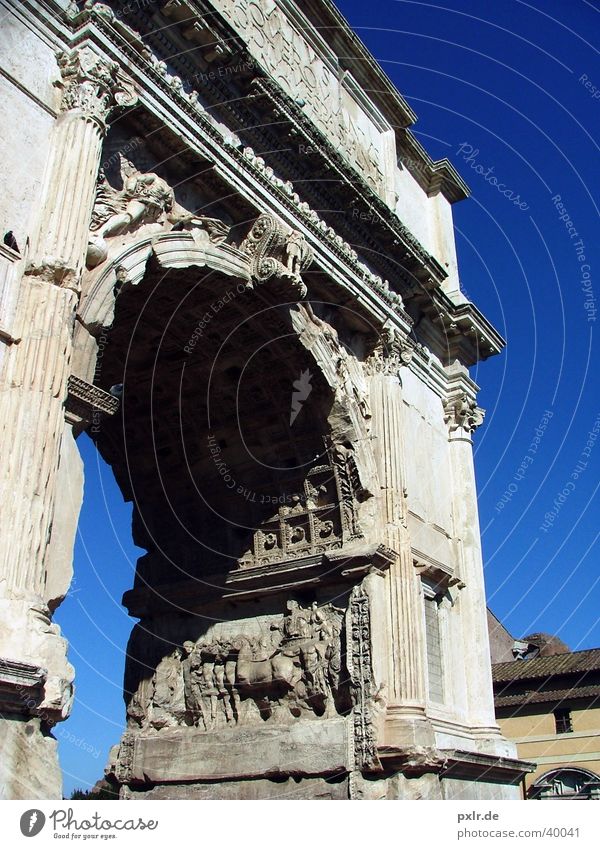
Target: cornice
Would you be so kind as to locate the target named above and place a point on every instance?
(377, 211)
(224, 155)
(462, 331)
(433, 176)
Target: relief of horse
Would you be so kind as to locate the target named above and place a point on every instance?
(280, 669)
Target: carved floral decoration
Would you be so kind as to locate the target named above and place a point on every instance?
(462, 413)
(93, 85)
(277, 251)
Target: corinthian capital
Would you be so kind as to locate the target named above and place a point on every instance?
(393, 351)
(93, 84)
(462, 413)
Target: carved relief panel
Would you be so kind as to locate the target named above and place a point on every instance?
(316, 515)
(275, 669)
(312, 662)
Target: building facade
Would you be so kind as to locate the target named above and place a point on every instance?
(550, 707)
(226, 257)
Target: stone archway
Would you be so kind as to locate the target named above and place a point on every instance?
(315, 668)
(242, 439)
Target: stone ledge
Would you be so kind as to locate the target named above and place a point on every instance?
(345, 565)
(483, 767)
(316, 748)
(21, 687)
(85, 401)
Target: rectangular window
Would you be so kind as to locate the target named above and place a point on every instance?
(434, 649)
(562, 721)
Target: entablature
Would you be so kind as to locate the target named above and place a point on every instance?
(451, 331)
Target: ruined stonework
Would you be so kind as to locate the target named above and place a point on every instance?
(271, 351)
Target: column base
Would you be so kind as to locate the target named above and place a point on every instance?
(407, 726)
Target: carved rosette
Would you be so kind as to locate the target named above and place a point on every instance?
(93, 85)
(462, 415)
(278, 252)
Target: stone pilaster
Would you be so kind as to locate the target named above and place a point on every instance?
(463, 416)
(406, 722)
(37, 369)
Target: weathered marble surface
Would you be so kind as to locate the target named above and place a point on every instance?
(28, 761)
(292, 418)
(315, 748)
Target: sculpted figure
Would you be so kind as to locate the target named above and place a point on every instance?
(145, 198)
(296, 623)
(168, 701)
(295, 250)
(192, 677)
(321, 629)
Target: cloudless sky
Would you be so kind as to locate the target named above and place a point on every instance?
(507, 82)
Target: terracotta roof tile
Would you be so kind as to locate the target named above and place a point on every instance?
(544, 667)
(536, 696)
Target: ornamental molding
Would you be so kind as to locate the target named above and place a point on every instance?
(21, 687)
(87, 403)
(367, 697)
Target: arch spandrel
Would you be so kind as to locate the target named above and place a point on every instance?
(127, 263)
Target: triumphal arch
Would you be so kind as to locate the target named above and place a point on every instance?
(227, 259)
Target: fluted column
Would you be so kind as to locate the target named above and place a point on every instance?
(38, 368)
(34, 385)
(406, 722)
(462, 417)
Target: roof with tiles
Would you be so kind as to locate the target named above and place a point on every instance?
(569, 663)
(591, 691)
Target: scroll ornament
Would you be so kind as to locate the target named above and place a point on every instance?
(278, 252)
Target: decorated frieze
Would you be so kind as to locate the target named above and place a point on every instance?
(311, 662)
(326, 96)
(291, 667)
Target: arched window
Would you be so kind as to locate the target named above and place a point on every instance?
(567, 783)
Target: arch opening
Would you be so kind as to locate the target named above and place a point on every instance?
(567, 783)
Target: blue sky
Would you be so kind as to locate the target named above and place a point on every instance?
(505, 90)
